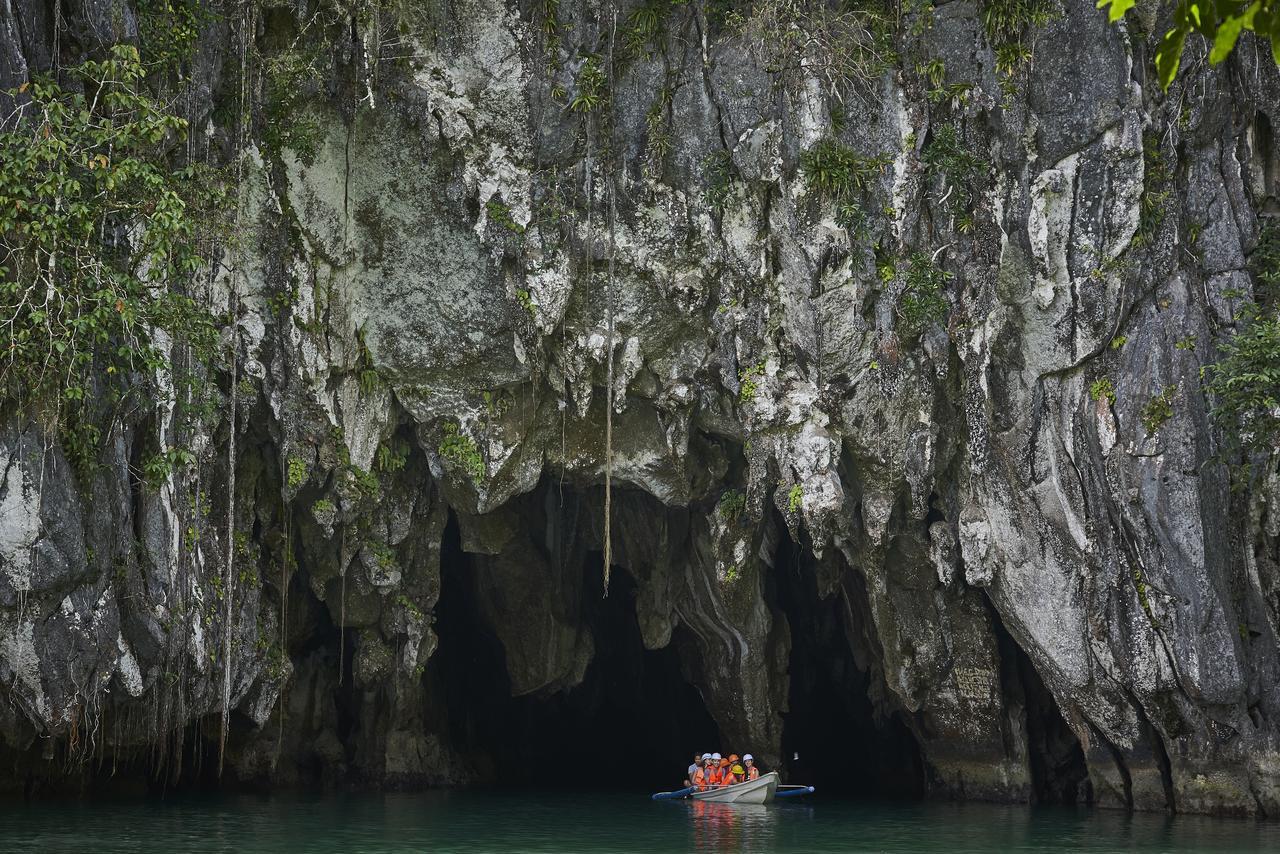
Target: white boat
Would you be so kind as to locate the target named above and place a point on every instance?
(758, 791)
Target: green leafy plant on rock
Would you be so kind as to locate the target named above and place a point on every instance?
(1103, 389)
(837, 171)
(795, 499)
(946, 158)
(1006, 23)
(297, 472)
(500, 214)
(592, 86)
(923, 300)
(460, 449)
(747, 378)
(717, 171)
(733, 503)
(1245, 383)
(392, 457)
(1159, 409)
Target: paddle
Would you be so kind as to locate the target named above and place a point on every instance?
(669, 796)
(793, 791)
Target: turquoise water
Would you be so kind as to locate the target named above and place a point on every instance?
(566, 822)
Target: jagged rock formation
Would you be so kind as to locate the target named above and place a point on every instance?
(1045, 595)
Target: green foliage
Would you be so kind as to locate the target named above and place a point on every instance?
(842, 44)
(592, 86)
(732, 574)
(732, 505)
(461, 450)
(717, 171)
(157, 468)
(1140, 586)
(411, 608)
(392, 457)
(500, 214)
(322, 507)
(1118, 342)
(946, 157)
(551, 27)
(526, 302)
(168, 31)
(837, 171)
(747, 382)
(1219, 21)
(1264, 264)
(1005, 22)
(795, 499)
(1159, 409)
(645, 25)
(291, 81)
(297, 472)
(100, 239)
(1157, 179)
(1102, 388)
(659, 134)
(1245, 383)
(923, 300)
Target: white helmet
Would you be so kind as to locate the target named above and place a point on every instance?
(715, 756)
(748, 758)
(706, 756)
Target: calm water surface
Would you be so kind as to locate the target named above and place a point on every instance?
(568, 822)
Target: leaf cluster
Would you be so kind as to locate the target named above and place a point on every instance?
(100, 237)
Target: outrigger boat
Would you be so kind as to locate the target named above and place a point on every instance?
(762, 790)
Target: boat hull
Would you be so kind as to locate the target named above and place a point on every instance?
(758, 791)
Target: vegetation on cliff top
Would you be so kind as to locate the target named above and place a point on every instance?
(102, 239)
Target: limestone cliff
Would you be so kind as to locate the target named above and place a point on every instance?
(889, 317)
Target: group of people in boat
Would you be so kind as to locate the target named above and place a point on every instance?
(710, 770)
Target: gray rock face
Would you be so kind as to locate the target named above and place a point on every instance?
(1050, 597)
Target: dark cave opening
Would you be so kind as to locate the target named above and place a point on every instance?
(632, 723)
(833, 736)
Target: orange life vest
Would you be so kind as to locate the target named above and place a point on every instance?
(700, 778)
(753, 773)
(715, 777)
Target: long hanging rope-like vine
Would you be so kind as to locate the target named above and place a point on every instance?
(608, 400)
(228, 586)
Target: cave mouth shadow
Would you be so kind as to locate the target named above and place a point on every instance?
(833, 737)
(633, 722)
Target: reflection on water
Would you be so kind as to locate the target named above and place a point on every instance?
(500, 822)
(732, 827)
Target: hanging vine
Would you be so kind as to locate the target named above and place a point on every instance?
(228, 587)
(611, 187)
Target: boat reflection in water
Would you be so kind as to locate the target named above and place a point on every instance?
(735, 827)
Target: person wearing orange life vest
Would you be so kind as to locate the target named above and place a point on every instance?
(715, 773)
(693, 769)
(735, 772)
(701, 777)
(753, 773)
(726, 775)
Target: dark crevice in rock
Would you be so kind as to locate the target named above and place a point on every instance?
(1122, 767)
(834, 736)
(1059, 774)
(1161, 755)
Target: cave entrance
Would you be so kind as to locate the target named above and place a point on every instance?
(833, 737)
(633, 722)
